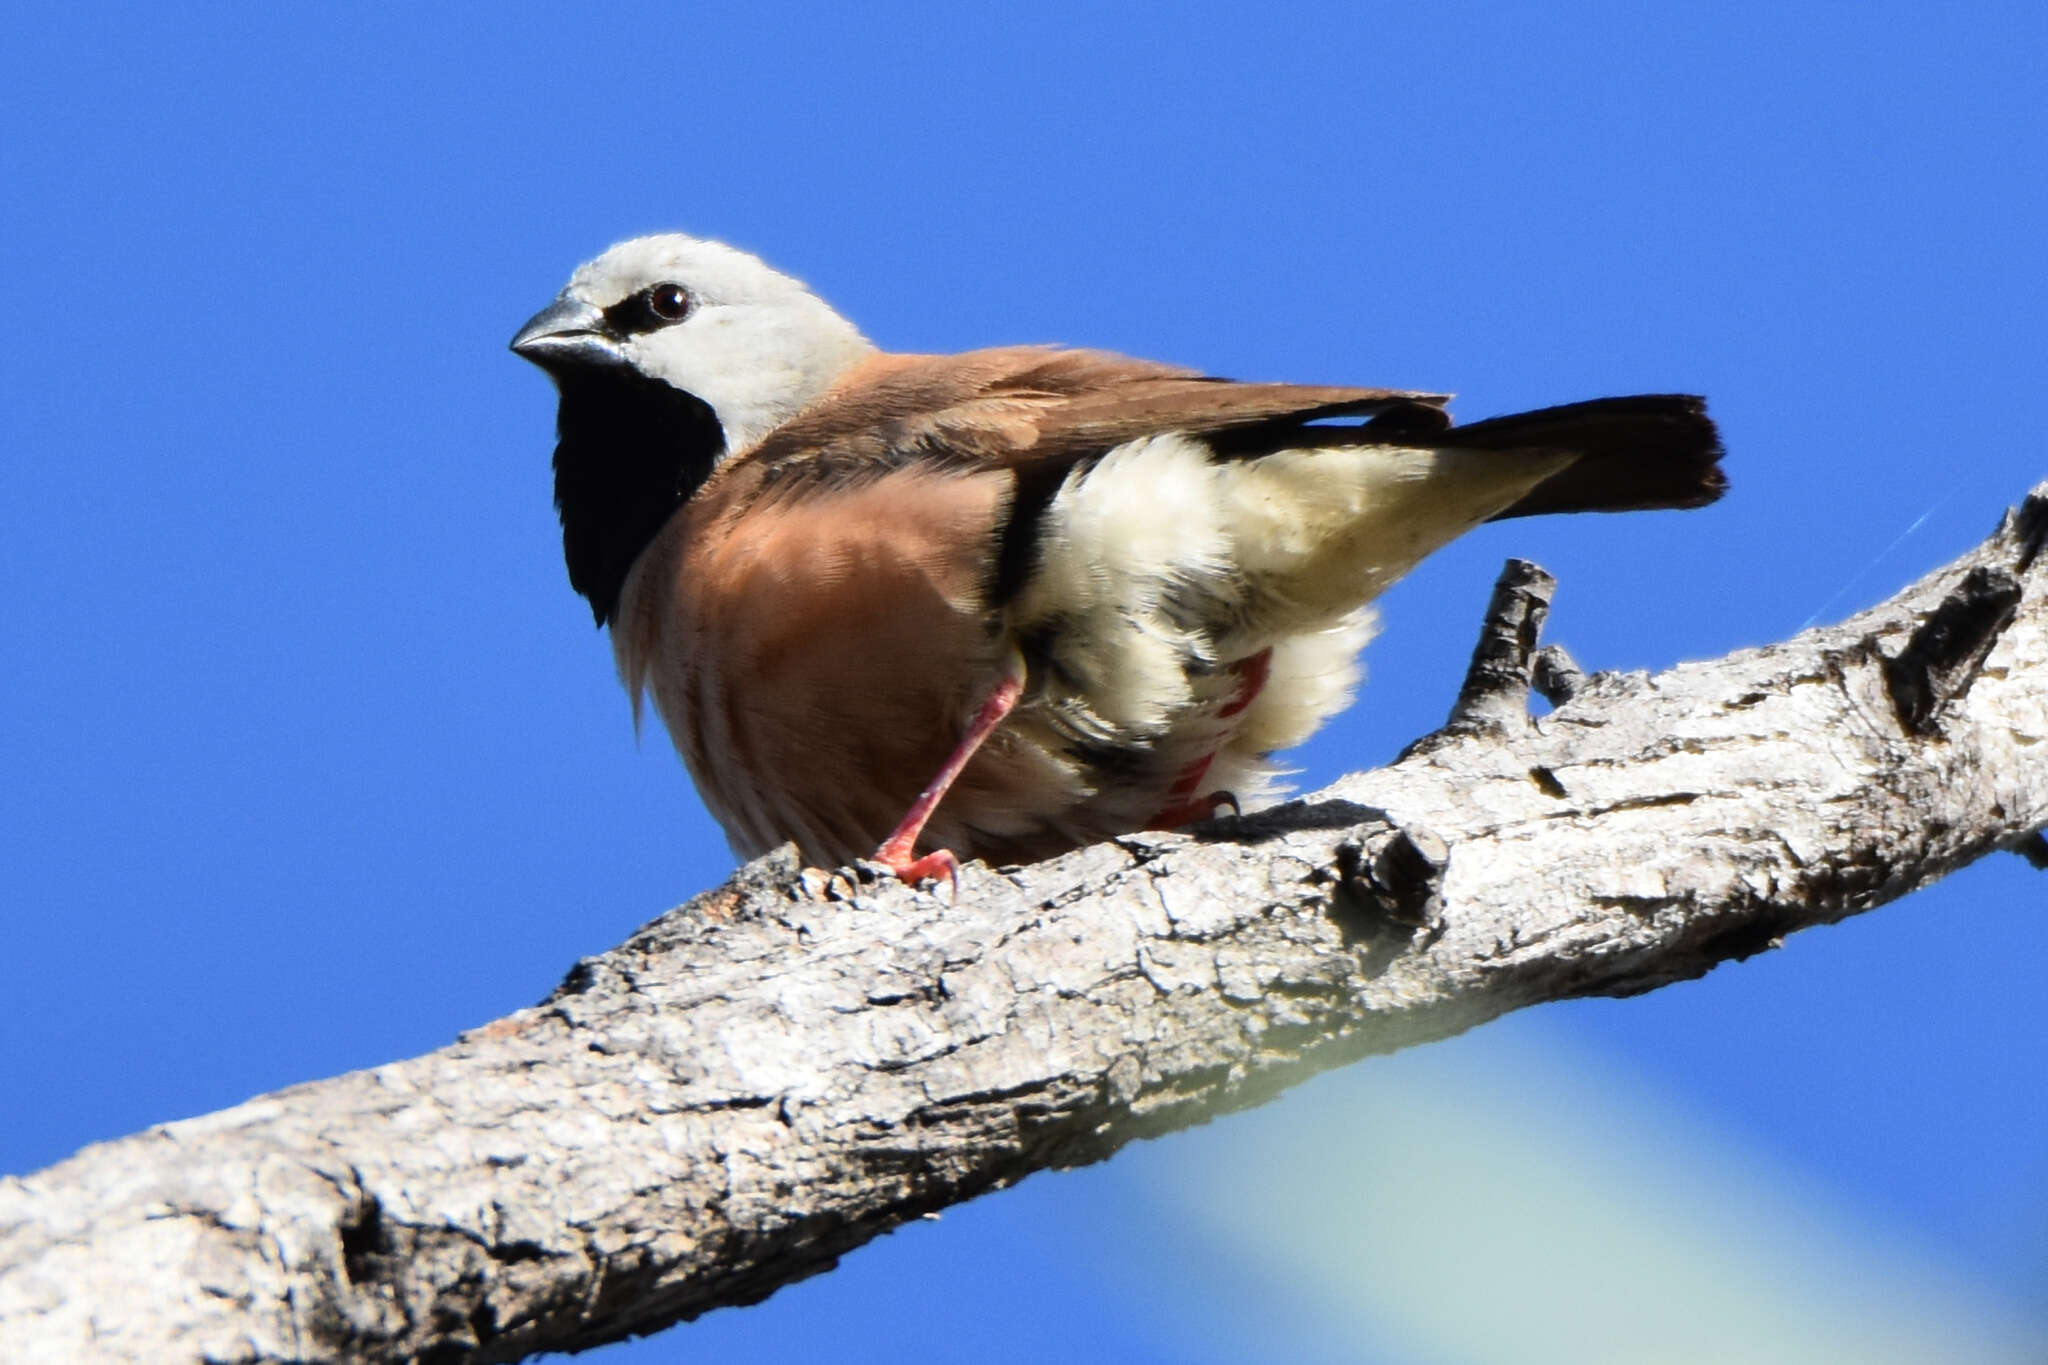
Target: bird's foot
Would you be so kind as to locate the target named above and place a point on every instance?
(898, 851)
(897, 856)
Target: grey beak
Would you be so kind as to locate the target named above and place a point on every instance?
(567, 332)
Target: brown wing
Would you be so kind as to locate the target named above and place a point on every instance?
(1032, 406)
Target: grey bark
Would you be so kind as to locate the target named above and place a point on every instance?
(790, 1064)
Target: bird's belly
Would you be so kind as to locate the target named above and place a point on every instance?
(823, 728)
(826, 740)
(830, 743)
(816, 662)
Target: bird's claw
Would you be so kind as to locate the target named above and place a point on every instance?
(911, 870)
(1193, 811)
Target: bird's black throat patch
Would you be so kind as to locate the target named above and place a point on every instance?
(631, 450)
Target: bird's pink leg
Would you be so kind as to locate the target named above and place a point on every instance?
(898, 849)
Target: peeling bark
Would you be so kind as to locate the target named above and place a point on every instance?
(797, 1061)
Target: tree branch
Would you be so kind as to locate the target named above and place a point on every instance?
(797, 1061)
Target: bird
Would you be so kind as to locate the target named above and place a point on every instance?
(1007, 602)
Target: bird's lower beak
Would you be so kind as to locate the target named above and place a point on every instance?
(567, 332)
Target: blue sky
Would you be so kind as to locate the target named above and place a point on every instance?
(315, 760)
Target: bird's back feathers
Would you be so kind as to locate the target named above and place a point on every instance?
(1032, 405)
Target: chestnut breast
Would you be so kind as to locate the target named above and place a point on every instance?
(816, 657)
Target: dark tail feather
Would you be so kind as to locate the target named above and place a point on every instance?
(1649, 451)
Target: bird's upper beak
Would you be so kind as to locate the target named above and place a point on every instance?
(568, 332)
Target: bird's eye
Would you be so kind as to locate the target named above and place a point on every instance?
(669, 302)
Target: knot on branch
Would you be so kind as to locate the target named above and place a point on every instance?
(1556, 675)
(2034, 848)
(1496, 690)
(1506, 664)
(2025, 527)
(1946, 653)
(1400, 880)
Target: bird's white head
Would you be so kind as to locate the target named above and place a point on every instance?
(753, 344)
